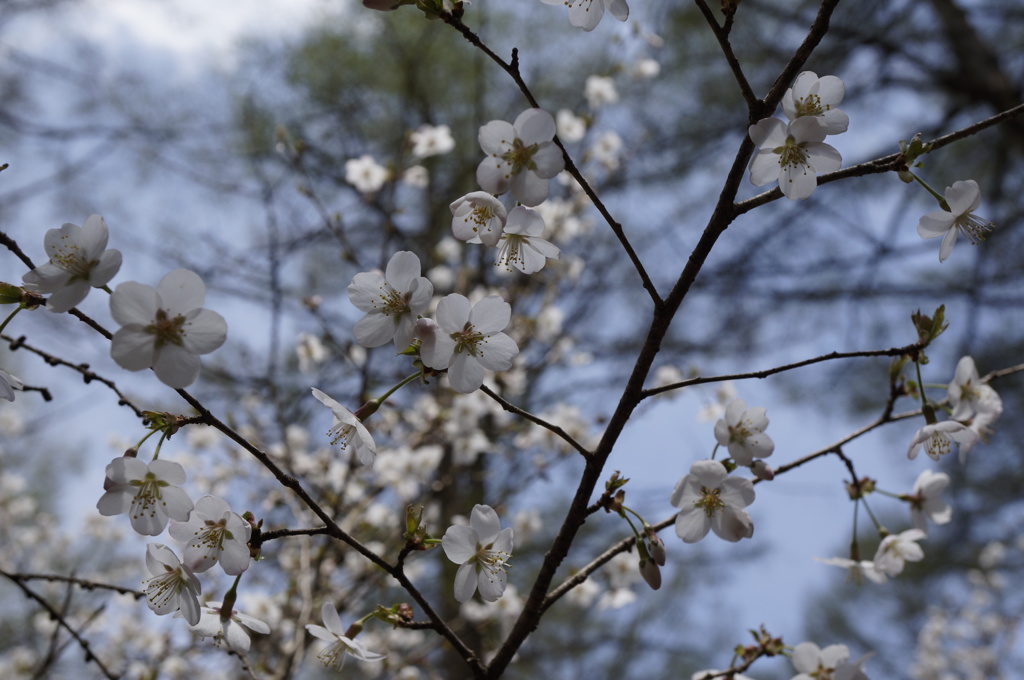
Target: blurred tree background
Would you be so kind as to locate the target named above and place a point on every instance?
(238, 171)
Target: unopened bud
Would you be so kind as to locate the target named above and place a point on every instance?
(656, 547)
(651, 573)
(762, 470)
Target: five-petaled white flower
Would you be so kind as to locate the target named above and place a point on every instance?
(165, 328)
(468, 340)
(742, 431)
(478, 217)
(348, 430)
(521, 244)
(214, 534)
(587, 14)
(832, 663)
(8, 384)
(79, 261)
(431, 140)
(342, 642)
(227, 629)
(708, 498)
(926, 500)
(483, 549)
(793, 154)
(856, 570)
(391, 300)
(940, 438)
(817, 98)
(365, 174)
(520, 156)
(969, 396)
(896, 549)
(961, 200)
(149, 493)
(173, 585)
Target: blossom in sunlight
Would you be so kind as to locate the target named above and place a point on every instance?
(478, 217)
(571, 128)
(149, 493)
(227, 630)
(793, 154)
(969, 396)
(817, 98)
(833, 662)
(392, 301)
(896, 549)
(958, 217)
(79, 261)
(600, 91)
(165, 328)
(468, 340)
(348, 430)
(587, 14)
(939, 439)
(8, 384)
(521, 245)
(708, 498)
(214, 534)
(483, 550)
(173, 586)
(742, 432)
(926, 499)
(365, 174)
(856, 570)
(520, 156)
(430, 140)
(342, 642)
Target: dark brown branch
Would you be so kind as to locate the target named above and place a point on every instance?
(81, 582)
(722, 35)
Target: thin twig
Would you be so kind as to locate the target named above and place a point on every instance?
(551, 427)
(81, 582)
(722, 35)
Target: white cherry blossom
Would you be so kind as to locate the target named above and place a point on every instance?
(149, 493)
(857, 570)
(483, 550)
(165, 328)
(214, 534)
(600, 91)
(521, 245)
(962, 199)
(8, 385)
(392, 301)
(793, 154)
(926, 500)
(173, 586)
(430, 140)
(227, 630)
(709, 499)
(969, 396)
(587, 14)
(571, 128)
(520, 156)
(348, 430)
(478, 217)
(365, 174)
(896, 549)
(468, 340)
(939, 439)
(832, 662)
(742, 431)
(79, 261)
(817, 98)
(342, 643)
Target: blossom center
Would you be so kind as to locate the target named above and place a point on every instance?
(391, 301)
(511, 251)
(163, 588)
(792, 154)
(493, 562)
(69, 258)
(939, 444)
(974, 228)
(167, 329)
(811, 106)
(468, 340)
(341, 433)
(211, 537)
(520, 156)
(148, 495)
(710, 501)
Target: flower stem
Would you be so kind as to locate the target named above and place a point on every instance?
(9, 317)
(382, 398)
(714, 451)
(938, 197)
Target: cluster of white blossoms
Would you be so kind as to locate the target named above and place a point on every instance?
(795, 153)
